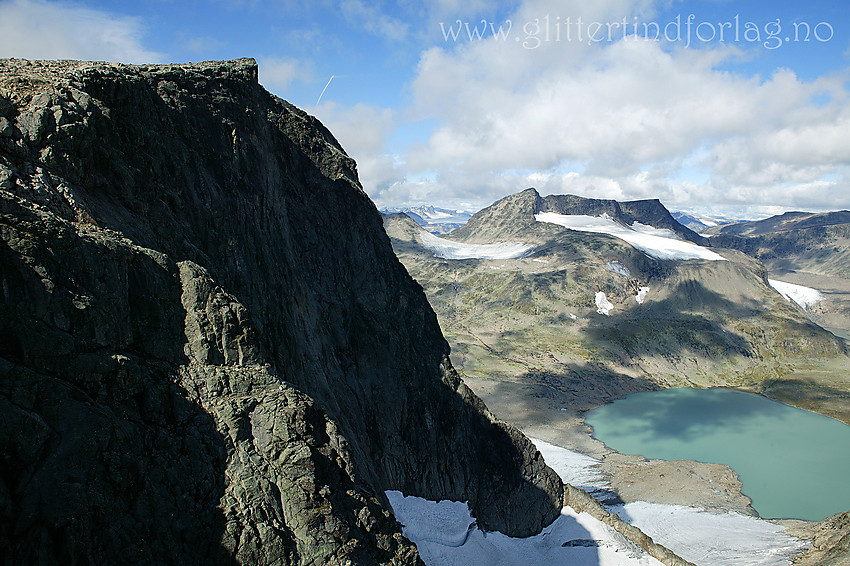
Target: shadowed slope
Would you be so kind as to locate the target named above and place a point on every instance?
(190, 254)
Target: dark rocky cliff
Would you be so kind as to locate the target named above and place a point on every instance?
(208, 350)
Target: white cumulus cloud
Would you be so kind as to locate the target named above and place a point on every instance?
(35, 29)
(628, 118)
(278, 73)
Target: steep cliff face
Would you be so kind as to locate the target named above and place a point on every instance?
(208, 350)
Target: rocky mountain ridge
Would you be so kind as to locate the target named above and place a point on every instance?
(783, 223)
(537, 320)
(530, 337)
(699, 222)
(795, 241)
(803, 248)
(435, 220)
(514, 214)
(196, 366)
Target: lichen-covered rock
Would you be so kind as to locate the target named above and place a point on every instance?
(209, 353)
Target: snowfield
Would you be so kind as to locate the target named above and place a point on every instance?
(617, 267)
(655, 242)
(641, 296)
(712, 539)
(446, 533)
(806, 297)
(574, 468)
(448, 249)
(701, 537)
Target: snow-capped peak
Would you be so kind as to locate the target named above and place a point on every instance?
(654, 242)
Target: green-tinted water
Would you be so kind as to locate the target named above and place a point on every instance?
(792, 463)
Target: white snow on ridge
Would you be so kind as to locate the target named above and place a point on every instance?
(655, 242)
(806, 297)
(641, 296)
(448, 249)
(603, 305)
(574, 468)
(712, 539)
(445, 534)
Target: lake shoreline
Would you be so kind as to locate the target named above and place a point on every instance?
(790, 461)
(549, 416)
(634, 478)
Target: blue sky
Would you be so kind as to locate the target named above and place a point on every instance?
(733, 107)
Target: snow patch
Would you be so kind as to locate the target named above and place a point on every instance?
(806, 297)
(653, 231)
(707, 539)
(541, 260)
(617, 267)
(445, 523)
(641, 296)
(603, 306)
(712, 539)
(573, 316)
(448, 249)
(655, 242)
(445, 534)
(574, 468)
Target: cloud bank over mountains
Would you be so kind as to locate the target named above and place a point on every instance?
(626, 119)
(724, 106)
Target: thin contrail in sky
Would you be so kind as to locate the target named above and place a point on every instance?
(324, 89)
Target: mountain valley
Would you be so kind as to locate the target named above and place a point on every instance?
(557, 305)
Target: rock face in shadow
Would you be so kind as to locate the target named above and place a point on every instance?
(209, 353)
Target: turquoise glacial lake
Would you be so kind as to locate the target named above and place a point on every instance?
(792, 463)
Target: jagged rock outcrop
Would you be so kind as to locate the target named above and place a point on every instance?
(209, 353)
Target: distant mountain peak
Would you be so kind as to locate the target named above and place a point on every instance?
(516, 212)
(433, 219)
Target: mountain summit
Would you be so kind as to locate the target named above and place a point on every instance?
(574, 302)
(208, 350)
(515, 213)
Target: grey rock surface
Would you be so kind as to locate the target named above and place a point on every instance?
(209, 353)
